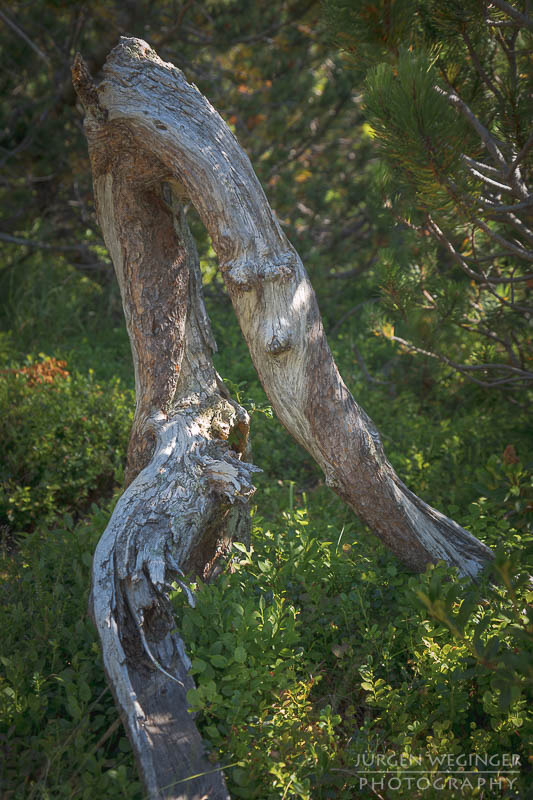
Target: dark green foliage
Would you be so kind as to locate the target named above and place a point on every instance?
(63, 440)
(420, 133)
(268, 69)
(324, 651)
(72, 316)
(447, 95)
(60, 735)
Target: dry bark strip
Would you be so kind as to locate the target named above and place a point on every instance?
(153, 138)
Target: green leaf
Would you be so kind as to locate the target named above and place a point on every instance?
(218, 661)
(194, 698)
(240, 655)
(198, 666)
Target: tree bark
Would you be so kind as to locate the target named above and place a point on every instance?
(187, 487)
(153, 138)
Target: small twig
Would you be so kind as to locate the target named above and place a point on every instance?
(169, 34)
(523, 152)
(511, 219)
(520, 374)
(503, 209)
(26, 38)
(294, 154)
(482, 277)
(350, 273)
(503, 187)
(486, 138)
(28, 139)
(511, 281)
(351, 311)
(364, 369)
(480, 165)
(476, 328)
(67, 248)
(526, 232)
(499, 23)
(527, 255)
(479, 68)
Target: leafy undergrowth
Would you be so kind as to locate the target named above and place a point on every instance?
(317, 656)
(63, 440)
(60, 735)
(323, 669)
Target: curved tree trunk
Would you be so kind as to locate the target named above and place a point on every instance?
(154, 138)
(183, 478)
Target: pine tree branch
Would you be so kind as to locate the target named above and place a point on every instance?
(488, 140)
(458, 196)
(527, 255)
(503, 209)
(526, 232)
(511, 283)
(518, 375)
(484, 279)
(521, 155)
(492, 211)
(480, 71)
(511, 11)
(477, 328)
(480, 165)
(502, 187)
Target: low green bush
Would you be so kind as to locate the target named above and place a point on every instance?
(60, 734)
(63, 441)
(317, 651)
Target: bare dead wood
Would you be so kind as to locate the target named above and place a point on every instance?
(187, 488)
(276, 305)
(154, 138)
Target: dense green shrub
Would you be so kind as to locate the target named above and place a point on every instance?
(318, 648)
(314, 648)
(63, 440)
(60, 735)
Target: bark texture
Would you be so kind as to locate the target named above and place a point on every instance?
(187, 488)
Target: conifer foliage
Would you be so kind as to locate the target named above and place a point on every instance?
(448, 102)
